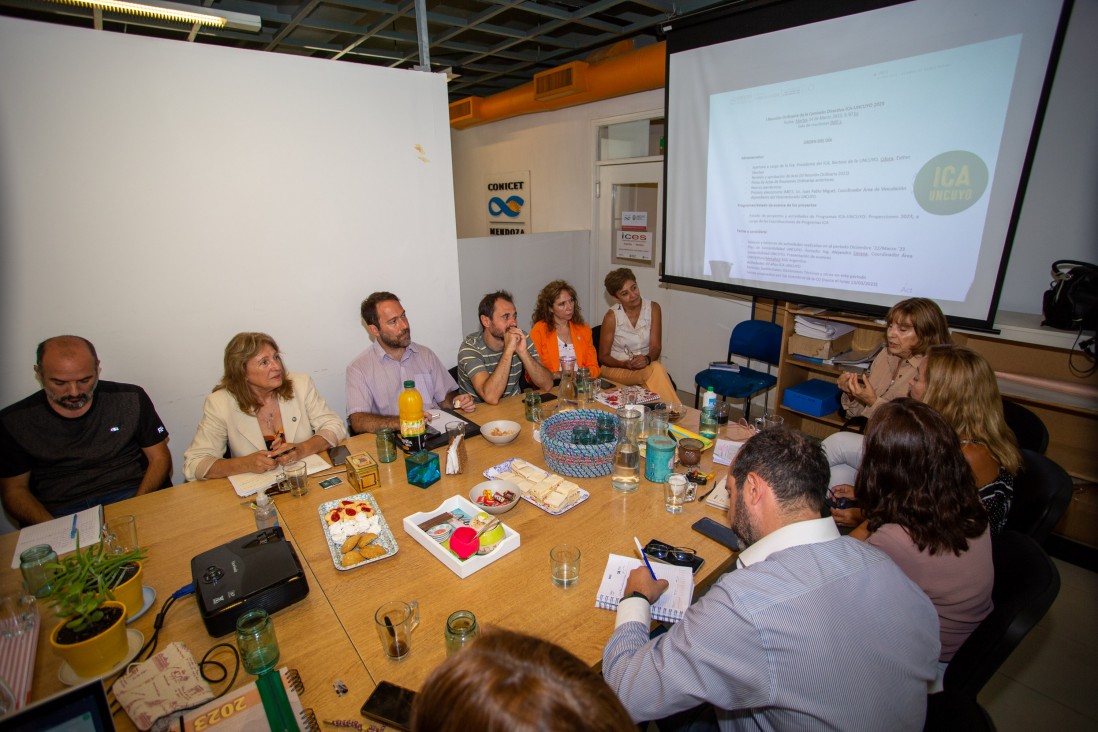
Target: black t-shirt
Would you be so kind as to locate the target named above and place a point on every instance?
(70, 459)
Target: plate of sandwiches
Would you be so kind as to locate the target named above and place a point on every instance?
(356, 531)
(550, 492)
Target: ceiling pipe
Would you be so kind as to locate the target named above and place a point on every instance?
(612, 75)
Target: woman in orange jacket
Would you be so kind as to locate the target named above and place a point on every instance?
(559, 331)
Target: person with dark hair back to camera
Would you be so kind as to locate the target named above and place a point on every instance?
(919, 498)
(510, 682)
(79, 441)
(812, 631)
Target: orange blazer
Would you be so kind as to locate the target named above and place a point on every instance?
(545, 340)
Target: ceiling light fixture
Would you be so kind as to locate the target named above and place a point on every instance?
(176, 12)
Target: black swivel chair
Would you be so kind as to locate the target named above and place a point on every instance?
(1026, 583)
(1026, 426)
(1042, 492)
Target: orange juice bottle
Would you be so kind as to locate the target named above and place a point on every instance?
(413, 427)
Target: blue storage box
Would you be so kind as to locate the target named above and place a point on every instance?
(815, 397)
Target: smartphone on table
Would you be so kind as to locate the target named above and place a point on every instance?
(390, 704)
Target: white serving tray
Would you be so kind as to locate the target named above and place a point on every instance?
(475, 563)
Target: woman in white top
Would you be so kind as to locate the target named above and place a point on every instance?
(631, 339)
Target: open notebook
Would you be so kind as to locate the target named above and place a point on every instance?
(672, 604)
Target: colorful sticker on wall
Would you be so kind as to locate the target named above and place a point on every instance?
(633, 245)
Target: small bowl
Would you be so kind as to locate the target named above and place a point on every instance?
(464, 542)
(441, 532)
(500, 431)
(496, 486)
(675, 412)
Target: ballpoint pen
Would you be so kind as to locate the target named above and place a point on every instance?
(72, 533)
(645, 558)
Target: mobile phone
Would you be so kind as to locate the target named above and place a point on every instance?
(338, 454)
(390, 704)
(718, 533)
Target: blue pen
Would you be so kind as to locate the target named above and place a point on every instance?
(645, 558)
(72, 534)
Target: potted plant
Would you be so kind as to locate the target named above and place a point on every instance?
(93, 593)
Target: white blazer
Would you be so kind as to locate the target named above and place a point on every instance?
(223, 423)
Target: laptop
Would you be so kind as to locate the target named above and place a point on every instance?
(80, 709)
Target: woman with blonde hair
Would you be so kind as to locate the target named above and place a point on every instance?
(263, 414)
(961, 385)
(632, 338)
(558, 329)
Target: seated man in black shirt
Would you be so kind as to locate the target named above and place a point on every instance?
(79, 441)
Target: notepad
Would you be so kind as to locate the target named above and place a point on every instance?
(672, 604)
(247, 484)
(58, 533)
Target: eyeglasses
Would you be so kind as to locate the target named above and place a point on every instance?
(670, 553)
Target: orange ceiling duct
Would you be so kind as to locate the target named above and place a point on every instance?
(578, 82)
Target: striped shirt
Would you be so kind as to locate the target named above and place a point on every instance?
(475, 356)
(828, 635)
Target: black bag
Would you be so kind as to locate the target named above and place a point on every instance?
(1071, 302)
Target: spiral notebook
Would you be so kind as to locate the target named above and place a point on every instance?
(672, 604)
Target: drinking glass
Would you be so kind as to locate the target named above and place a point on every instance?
(120, 534)
(564, 562)
(674, 493)
(395, 622)
(297, 475)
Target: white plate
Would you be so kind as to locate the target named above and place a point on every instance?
(68, 677)
(148, 594)
(495, 471)
(384, 535)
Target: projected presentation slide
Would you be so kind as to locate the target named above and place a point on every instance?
(853, 180)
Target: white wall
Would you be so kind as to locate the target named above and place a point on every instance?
(157, 197)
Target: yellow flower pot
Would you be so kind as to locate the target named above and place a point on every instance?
(130, 593)
(95, 656)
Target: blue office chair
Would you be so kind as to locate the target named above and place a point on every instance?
(754, 340)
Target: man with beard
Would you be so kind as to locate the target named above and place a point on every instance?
(491, 361)
(377, 375)
(79, 441)
(811, 631)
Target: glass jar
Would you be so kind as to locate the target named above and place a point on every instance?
(659, 458)
(33, 564)
(532, 402)
(461, 630)
(256, 641)
(386, 445)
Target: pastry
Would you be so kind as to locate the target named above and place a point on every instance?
(364, 540)
(370, 552)
(354, 558)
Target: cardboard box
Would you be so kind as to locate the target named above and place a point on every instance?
(814, 397)
(816, 348)
(362, 470)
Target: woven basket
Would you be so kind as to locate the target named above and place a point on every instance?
(564, 457)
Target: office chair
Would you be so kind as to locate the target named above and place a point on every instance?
(1042, 492)
(596, 333)
(758, 340)
(1026, 583)
(1026, 426)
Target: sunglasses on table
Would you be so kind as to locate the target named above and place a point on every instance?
(670, 554)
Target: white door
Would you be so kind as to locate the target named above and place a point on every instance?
(626, 188)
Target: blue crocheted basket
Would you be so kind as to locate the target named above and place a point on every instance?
(564, 457)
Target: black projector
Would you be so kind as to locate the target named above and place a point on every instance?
(259, 570)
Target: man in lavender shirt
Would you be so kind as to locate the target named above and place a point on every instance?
(377, 375)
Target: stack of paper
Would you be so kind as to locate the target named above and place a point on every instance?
(825, 330)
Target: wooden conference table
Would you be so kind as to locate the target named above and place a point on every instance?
(330, 635)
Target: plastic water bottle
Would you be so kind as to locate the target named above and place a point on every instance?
(413, 427)
(707, 424)
(265, 515)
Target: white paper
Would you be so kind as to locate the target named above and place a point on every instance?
(58, 533)
(246, 484)
(725, 451)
